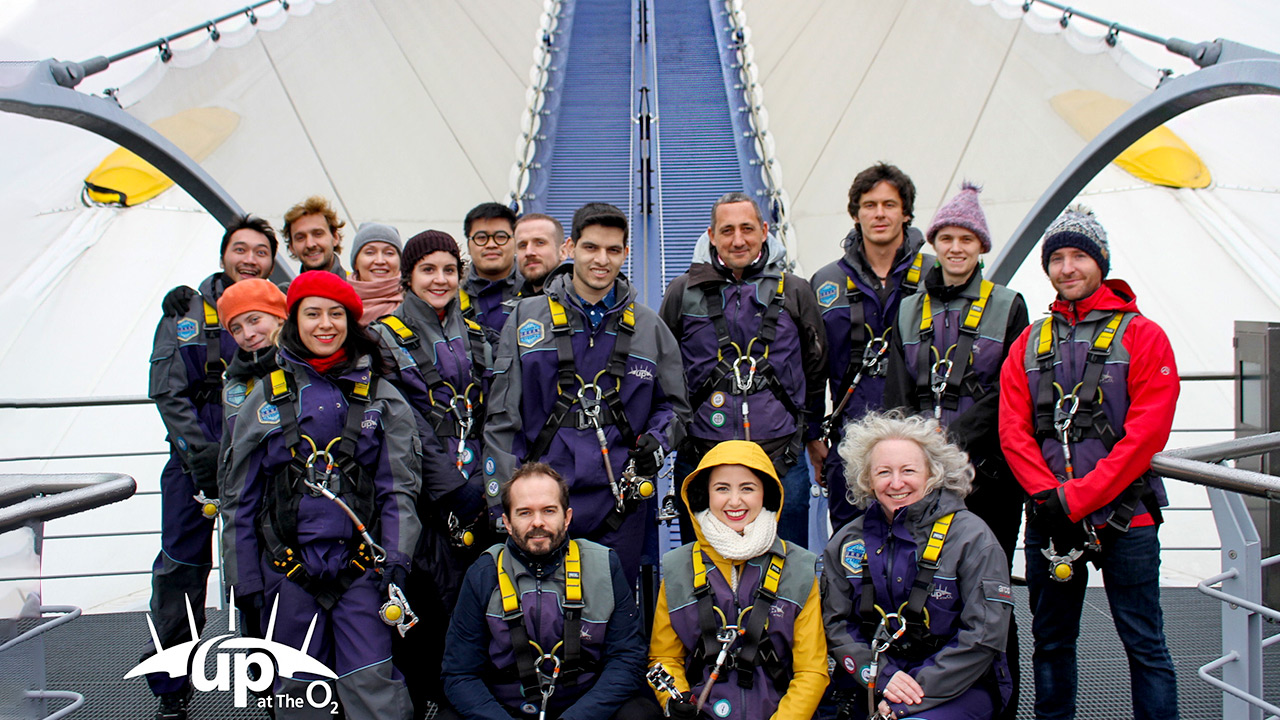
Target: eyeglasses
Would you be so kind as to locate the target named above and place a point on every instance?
(498, 238)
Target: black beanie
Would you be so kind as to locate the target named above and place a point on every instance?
(422, 245)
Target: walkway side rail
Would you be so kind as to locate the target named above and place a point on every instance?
(1242, 565)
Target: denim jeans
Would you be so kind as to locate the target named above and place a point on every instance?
(1130, 564)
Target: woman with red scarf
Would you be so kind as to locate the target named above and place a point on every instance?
(320, 482)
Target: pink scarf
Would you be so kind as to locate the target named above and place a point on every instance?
(380, 297)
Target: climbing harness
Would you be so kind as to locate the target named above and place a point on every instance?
(940, 383)
(914, 640)
(755, 648)
(662, 681)
(872, 359)
(396, 611)
(530, 658)
(745, 372)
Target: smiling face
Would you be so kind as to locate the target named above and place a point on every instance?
(312, 242)
(377, 261)
(248, 255)
(738, 235)
(537, 249)
(597, 259)
(958, 250)
(435, 279)
(536, 520)
(1074, 273)
(899, 474)
(252, 330)
(880, 215)
(735, 496)
(322, 325)
(492, 252)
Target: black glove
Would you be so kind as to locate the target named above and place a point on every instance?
(648, 455)
(681, 709)
(1052, 520)
(393, 575)
(466, 502)
(178, 301)
(202, 463)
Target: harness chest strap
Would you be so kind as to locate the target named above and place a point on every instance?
(410, 341)
(749, 654)
(213, 363)
(1089, 416)
(725, 346)
(858, 328)
(513, 615)
(926, 567)
(959, 354)
(567, 378)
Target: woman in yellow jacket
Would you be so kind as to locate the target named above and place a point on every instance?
(738, 627)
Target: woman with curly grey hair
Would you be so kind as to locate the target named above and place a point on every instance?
(918, 571)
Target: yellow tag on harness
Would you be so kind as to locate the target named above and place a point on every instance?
(937, 536)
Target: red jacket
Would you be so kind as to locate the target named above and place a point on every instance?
(1153, 396)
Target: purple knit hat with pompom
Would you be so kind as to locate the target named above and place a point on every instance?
(963, 211)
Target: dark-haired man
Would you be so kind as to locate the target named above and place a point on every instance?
(586, 380)
(538, 240)
(190, 352)
(569, 599)
(492, 283)
(859, 295)
(754, 350)
(314, 234)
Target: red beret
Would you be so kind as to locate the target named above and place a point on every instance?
(322, 283)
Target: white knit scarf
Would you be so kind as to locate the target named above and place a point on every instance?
(756, 538)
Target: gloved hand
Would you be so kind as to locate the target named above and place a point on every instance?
(1051, 517)
(202, 463)
(396, 575)
(177, 302)
(648, 455)
(466, 501)
(682, 709)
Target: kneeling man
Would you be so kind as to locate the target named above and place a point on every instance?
(545, 626)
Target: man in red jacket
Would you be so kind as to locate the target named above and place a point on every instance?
(1087, 396)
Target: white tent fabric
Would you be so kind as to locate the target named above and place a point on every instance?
(405, 113)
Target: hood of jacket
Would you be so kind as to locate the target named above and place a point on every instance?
(731, 452)
(559, 286)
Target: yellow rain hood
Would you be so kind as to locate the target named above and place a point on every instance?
(125, 179)
(1160, 157)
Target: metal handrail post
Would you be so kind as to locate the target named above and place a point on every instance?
(1241, 628)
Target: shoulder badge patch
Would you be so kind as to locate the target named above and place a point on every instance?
(235, 394)
(529, 333)
(269, 414)
(851, 556)
(827, 293)
(187, 329)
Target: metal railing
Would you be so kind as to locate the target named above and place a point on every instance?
(1240, 581)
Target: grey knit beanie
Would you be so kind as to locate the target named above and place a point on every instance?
(1079, 228)
(374, 232)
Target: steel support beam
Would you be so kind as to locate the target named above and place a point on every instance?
(46, 92)
(1241, 70)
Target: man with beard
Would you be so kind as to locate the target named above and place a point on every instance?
(536, 610)
(539, 239)
(313, 232)
(191, 351)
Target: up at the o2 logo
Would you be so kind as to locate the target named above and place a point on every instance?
(233, 658)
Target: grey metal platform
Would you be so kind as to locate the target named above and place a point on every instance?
(92, 654)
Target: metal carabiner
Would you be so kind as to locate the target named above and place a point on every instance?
(750, 360)
(873, 355)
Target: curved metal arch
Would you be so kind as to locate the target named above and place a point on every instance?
(44, 93)
(1249, 75)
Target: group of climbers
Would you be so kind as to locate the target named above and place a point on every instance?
(375, 433)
